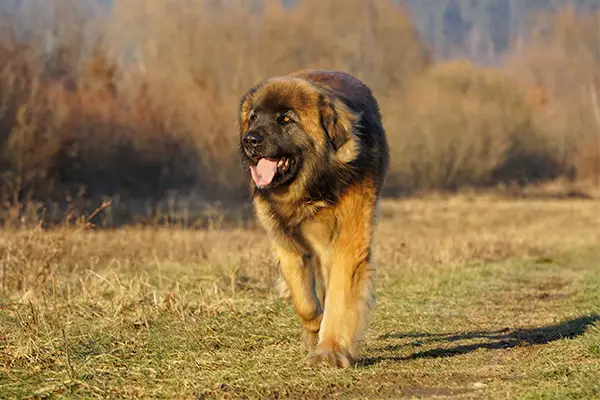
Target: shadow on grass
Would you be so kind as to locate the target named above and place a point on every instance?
(499, 339)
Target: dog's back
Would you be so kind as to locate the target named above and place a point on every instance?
(359, 98)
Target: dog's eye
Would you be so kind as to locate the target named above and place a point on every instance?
(284, 119)
(252, 117)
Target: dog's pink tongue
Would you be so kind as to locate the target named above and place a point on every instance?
(264, 172)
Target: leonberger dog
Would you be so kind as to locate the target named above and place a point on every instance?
(314, 146)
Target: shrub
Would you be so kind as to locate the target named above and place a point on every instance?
(459, 125)
(149, 107)
(562, 60)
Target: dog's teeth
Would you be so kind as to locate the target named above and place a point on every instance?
(279, 163)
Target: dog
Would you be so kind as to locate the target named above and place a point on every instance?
(316, 154)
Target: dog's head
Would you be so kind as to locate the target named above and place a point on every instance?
(290, 129)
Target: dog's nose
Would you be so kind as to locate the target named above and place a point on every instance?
(253, 139)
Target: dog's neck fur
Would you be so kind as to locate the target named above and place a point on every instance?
(298, 202)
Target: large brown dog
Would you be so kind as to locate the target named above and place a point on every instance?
(314, 145)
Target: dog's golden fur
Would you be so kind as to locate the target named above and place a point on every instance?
(321, 221)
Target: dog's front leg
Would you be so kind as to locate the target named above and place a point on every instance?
(299, 275)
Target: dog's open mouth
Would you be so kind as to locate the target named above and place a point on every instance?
(268, 170)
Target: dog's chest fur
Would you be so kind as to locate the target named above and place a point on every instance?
(309, 226)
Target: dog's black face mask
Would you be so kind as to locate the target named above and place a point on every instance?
(272, 147)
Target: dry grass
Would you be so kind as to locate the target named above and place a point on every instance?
(478, 297)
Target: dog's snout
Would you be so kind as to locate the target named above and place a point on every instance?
(253, 139)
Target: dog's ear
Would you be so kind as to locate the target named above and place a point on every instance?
(337, 120)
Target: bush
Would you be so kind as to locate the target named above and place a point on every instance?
(562, 61)
(141, 103)
(148, 108)
(459, 125)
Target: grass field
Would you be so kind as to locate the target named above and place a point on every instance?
(477, 298)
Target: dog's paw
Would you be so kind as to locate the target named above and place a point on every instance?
(329, 357)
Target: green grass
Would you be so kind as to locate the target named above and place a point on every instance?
(163, 325)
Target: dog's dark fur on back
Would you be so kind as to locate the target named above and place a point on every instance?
(314, 144)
